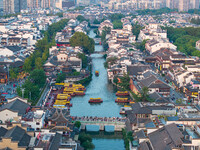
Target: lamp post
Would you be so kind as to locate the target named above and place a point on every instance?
(8, 67)
(30, 95)
(23, 92)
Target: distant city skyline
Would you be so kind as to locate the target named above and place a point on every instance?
(15, 6)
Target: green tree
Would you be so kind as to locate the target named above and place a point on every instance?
(31, 91)
(96, 21)
(136, 29)
(38, 63)
(84, 137)
(27, 65)
(61, 77)
(155, 11)
(83, 40)
(125, 82)
(130, 136)
(116, 16)
(77, 124)
(60, 14)
(143, 96)
(80, 18)
(117, 24)
(110, 61)
(38, 77)
(13, 74)
(86, 141)
(141, 46)
(88, 145)
(84, 59)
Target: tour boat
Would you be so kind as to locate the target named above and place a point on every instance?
(79, 93)
(96, 73)
(69, 93)
(81, 88)
(69, 104)
(64, 97)
(122, 93)
(122, 100)
(95, 100)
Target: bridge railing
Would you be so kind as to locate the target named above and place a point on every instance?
(103, 122)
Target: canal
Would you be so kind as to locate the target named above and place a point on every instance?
(99, 87)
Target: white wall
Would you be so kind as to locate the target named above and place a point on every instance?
(7, 115)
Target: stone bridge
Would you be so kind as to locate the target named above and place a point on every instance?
(118, 125)
(97, 40)
(99, 52)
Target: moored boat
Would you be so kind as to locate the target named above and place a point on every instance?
(95, 100)
(69, 93)
(96, 73)
(122, 93)
(79, 93)
(122, 100)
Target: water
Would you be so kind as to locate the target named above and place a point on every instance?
(99, 87)
(107, 141)
(111, 144)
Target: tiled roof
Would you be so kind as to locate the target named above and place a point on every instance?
(17, 106)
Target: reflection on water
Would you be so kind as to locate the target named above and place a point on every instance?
(107, 141)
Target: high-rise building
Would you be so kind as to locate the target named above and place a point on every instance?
(33, 3)
(11, 6)
(45, 3)
(23, 4)
(172, 4)
(194, 4)
(58, 4)
(1, 2)
(183, 5)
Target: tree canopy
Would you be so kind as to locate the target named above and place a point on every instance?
(86, 141)
(80, 18)
(136, 29)
(185, 39)
(125, 82)
(195, 21)
(116, 20)
(83, 40)
(155, 11)
(143, 96)
(41, 52)
(117, 24)
(61, 77)
(38, 77)
(116, 16)
(77, 124)
(84, 59)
